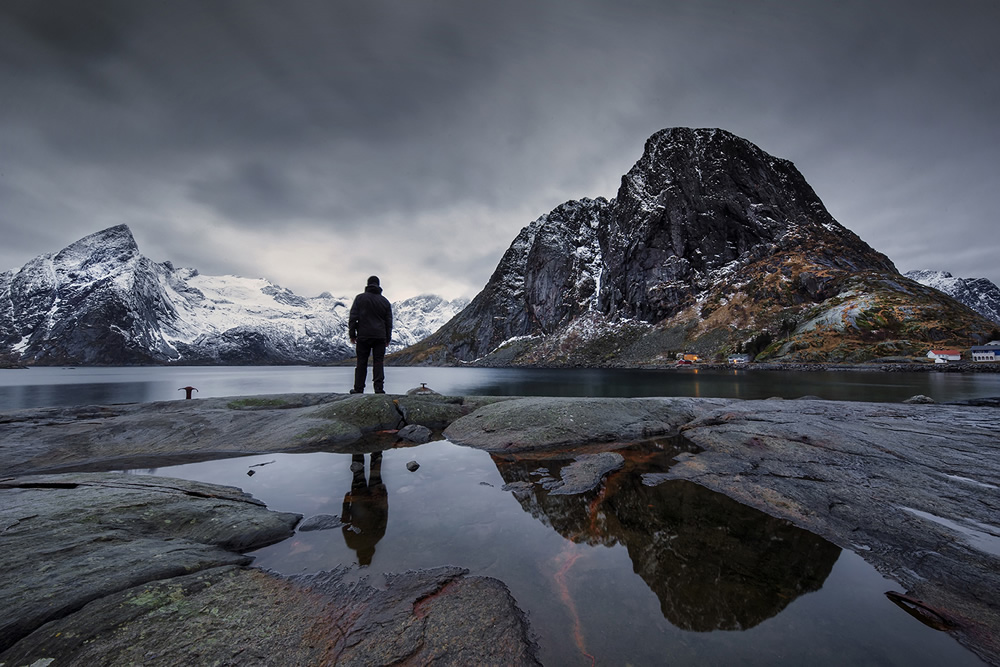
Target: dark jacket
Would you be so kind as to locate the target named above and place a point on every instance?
(371, 316)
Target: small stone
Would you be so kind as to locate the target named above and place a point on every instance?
(415, 433)
(412, 466)
(919, 399)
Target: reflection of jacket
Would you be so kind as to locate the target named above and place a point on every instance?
(371, 315)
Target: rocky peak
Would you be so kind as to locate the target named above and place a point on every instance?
(705, 224)
(698, 200)
(95, 254)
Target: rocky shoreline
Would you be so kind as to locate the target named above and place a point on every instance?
(900, 366)
(131, 568)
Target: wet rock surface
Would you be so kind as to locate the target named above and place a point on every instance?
(69, 539)
(244, 616)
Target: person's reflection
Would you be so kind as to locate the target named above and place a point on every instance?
(366, 508)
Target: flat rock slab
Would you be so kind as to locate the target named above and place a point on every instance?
(533, 424)
(145, 435)
(914, 489)
(66, 540)
(244, 616)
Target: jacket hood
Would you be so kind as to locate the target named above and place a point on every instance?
(374, 289)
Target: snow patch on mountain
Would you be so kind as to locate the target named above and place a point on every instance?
(979, 294)
(420, 316)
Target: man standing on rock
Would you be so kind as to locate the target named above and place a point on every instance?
(370, 329)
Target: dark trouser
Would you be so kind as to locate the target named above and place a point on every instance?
(376, 348)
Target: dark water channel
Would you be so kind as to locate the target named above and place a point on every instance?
(623, 574)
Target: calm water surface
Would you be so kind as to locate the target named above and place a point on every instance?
(41, 387)
(624, 574)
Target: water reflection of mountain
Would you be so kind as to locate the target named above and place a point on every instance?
(713, 563)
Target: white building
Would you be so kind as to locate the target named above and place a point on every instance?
(988, 352)
(944, 356)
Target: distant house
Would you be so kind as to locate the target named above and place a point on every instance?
(988, 352)
(691, 357)
(739, 358)
(944, 356)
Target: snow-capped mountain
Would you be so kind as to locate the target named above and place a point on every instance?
(418, 317)
(711, 246)
(979, 294)
(99, 301)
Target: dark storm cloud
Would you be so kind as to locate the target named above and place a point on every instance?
(278, 135)
(78, 32)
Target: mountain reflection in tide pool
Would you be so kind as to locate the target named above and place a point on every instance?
(623, 573)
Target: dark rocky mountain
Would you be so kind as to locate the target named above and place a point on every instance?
(99, 301)
(711, 246)
(979, 294)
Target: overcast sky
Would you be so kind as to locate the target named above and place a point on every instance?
(313, 143)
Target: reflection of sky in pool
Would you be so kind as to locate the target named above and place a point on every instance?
(625, 573)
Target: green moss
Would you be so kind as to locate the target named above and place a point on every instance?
(148, 598)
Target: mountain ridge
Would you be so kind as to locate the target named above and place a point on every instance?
(99, 301)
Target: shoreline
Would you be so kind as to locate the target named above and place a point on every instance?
(914, 366)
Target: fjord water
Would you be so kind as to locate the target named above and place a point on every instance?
(43, 387)
(623, 574)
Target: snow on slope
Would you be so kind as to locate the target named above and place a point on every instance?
(979, 294)
(418, 317)
(214, 304)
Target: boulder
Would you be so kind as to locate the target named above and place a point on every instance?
(374, 412)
